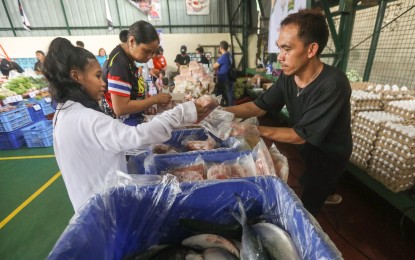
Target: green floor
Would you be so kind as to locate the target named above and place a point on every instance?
(33, 231)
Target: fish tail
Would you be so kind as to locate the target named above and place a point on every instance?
(242, 217)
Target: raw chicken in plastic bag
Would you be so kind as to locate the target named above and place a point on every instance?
(219, 123)
(280, 163)
(243, 166)
(263, 160)
(247, 131)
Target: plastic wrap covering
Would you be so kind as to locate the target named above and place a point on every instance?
(219, 123)
(181, 144)
(130, 218)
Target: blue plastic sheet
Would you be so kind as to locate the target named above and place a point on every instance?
(130, 218)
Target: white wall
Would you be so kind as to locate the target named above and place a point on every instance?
(25, 47)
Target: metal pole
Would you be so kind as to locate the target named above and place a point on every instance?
(168, 11)
(245, 10)
(375, 39)
(118, 12)
(66, 18)
(8, 17)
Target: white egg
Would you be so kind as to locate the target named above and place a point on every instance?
(404, 88)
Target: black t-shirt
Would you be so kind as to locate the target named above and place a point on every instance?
(122, 76)
(321, 112)
(38, 66)
(182, 60)
(6, 66)
(202, 59)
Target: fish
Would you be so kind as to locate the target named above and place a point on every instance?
(205, 241)
(194, 256)
(215, 253)
(251, 244)
(148, 254)
(195, 226)
(276, 242)
(173, 253)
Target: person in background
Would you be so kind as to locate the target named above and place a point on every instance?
(317, 97)
(84, 134)
(224, 86)
(182, 58)
(200, 56)
(38, 68)
(159, 81)
(102, 56)
(6, 66)
(124, 94)
(159, 61)
(80, 44)
(165, 86)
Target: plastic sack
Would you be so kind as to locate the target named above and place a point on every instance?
(218, 122)
(263, 161)
(128, 219)
(280, 163)
(247, 131)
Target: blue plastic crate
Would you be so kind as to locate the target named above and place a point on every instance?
(39, 134)
(36, 115)
(11, 140)
(46, 107)
(16, 123)
(130, 218)
(11, 115)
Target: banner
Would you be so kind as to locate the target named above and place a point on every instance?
(279, 10)
(142, 5)
(154, 14)
(108, 16)
(25, 21)
(197, 7)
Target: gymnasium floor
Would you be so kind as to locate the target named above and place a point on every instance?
(35, 209)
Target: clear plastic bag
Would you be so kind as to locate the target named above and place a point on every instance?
(280, 163)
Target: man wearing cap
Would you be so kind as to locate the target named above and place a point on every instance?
(182, 58)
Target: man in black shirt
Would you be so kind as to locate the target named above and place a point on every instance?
(317, 98)
(182, 58)
(200, 55)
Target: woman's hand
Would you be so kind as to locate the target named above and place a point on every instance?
(162, 99)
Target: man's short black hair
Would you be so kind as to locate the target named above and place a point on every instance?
(224, 45)
(200, 49)
(123, 36)
(80, 44)
(312, 27)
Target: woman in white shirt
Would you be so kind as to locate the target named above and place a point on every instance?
(89, 145)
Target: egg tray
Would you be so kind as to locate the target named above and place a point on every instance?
(367, 135)
(361, 85)
(362, 154)
(362, 148)
(406, 114)
(390, 183)
(396, 148)
(393, 158)
(364, 129)
(391, 167)
(357, 161)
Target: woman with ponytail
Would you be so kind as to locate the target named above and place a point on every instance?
(90, 145)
